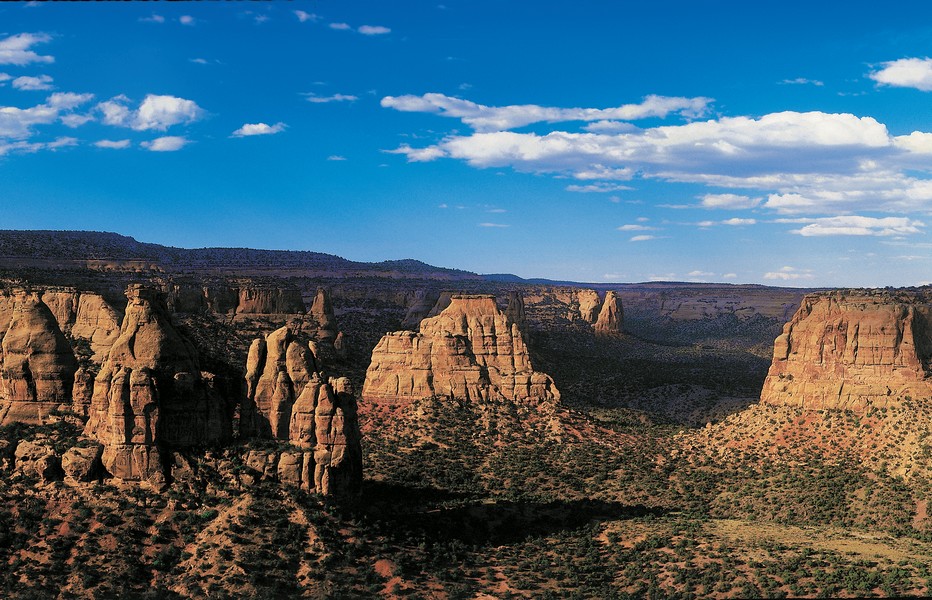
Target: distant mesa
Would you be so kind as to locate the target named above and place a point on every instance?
(470, 350)
(853, 350)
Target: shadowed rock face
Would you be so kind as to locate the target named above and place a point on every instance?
(38, 367)
(851, 350)
(611, 317)
(150, 394)
(471, 350)
(289, 399)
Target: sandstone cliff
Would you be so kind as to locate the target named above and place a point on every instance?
(288, 398)
(470, 350)
(589, 304)
(150, 395)
(852, 350)
(611, 316)
(38, 367)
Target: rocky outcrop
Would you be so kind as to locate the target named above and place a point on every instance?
(443, 301)
(589, 304)
(853, 350)
(151, 396)
(611, 316)
(515, 311)
(275, 300)
(471, 350)
(288, 398)
(418, 309)
(38, 367)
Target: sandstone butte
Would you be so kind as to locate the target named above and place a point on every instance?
(470, 350)
(853, 350)
(150, 398)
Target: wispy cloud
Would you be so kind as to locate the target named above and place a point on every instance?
(642, 238)
(635, 227)
(502, 118)
(599, 188)
(187, 20)
(340, 26)
(789, 274)
(373, 30)
(493, 225)
(336, 157)
(803, 81)
(306, 16)
(334, 98)
(729, 201)
(152, 19)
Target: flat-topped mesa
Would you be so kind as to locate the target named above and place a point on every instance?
(853, 350)
(611, 317)
(289, 399)
(150, 395)
(471, 350)
(37, 365)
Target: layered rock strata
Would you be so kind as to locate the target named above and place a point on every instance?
(38, 367)
(150, 395)
(288, 398)
(611, 315)
(853, 350)
(470, 350)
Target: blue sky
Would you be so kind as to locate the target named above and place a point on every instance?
(765, 142)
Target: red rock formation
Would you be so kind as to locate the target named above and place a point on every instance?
(150, 395)
(611, 317)
(288, 398)
(515, 311)
(470, 350)
(38, 366)
(589, 304)
(852, 350)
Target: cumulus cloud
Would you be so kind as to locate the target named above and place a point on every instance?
(811, 162)
(906, 72)
(340, 26)
(698, 273)
(373, 30)
(16, 49)
(789, 274)
(334, 98)
(858, 225)
(168, 143)
(186, 20)
(729, 201)
(502, 118)
(113, 144)
(19, 123)
(154, 112)
(28, 83)
(249, 129)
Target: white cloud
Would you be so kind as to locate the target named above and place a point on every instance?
(306, 16)
(730, 276)
(906, 72)
(5, 77)
(153, 19)
(418, 154)
(186, 20)
(340, 26)
(200, 61)
(700, 274)
(113, 144)
(738, 222)
(336, 157)
(249, 129)
(373, 30)
(858, 225)
(334, 98)
(632, 227)
(610, 127)
(642, 238)
(16, 49)
(729, 201)
(27, 83)
(599, 188)
(169, 143)
(789, 274)
(155, 112)
(19, 123)
(493, 225)
(802, 81)
(75, 120)
(502, 118)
